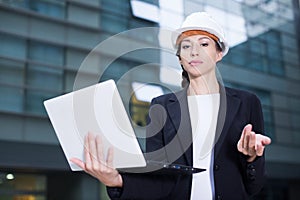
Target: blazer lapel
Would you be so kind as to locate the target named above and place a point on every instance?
(179, 115)
(229, 105)
(178, 111)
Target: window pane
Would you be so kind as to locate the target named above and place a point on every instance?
(118, 7)
(272, 37)
(12, 46)
(74, 58)
(21, 4)
(116, 69)
(257, 46)
(53, 8)
(144, 35)
(239, 59)
(44, 77)
(83, 15)
(256, 62)
(47, 7)
(46, 53)
(34, 101)
(269, 130)
(11, 72)
(276, 67)
(263, 53)
(69, 81)
(274, 51)
(11, 98)
(113, 24)
(264, 97)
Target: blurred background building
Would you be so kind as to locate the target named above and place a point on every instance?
(44, 42)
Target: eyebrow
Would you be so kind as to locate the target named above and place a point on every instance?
(201, 38)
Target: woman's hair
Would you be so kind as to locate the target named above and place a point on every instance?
(185, 77)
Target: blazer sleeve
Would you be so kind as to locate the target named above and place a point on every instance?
(149, 185)
(254, 172)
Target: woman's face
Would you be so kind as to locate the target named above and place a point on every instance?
(199, 55)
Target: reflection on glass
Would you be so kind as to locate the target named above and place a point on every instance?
(22, 186)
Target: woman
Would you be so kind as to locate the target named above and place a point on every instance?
(204, 125)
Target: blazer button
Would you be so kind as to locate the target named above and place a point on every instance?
(251, 172)
(219, 197)
(216, 167)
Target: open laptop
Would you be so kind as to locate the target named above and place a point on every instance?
(99, 109)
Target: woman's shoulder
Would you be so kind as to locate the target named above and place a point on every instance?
(169, 97)
(164, 97)
(242, 94)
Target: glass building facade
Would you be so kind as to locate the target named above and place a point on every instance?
(44, 43)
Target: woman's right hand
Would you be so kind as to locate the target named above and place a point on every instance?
(95, 163)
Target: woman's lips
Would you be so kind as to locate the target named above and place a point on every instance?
(195, 62)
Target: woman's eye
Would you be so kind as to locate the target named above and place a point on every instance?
(185, 46)
(204, 44)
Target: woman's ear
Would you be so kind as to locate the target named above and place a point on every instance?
(219, 56)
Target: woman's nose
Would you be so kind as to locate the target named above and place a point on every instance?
(195, 50)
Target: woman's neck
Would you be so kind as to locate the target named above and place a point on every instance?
(203, 85)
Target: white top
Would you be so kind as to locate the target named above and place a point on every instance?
(203, 113)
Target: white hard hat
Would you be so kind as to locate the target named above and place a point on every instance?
(204, 22)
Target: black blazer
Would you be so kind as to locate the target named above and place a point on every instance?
(169, 138)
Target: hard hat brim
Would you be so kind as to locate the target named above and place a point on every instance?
(177, 32)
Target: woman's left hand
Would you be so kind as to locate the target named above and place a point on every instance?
(252, 144)
(96, 164)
